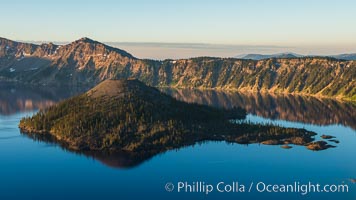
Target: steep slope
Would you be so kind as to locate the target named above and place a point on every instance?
(128, 115)
(83, 61)
(16, 57)
(87, 62)
(316, 76)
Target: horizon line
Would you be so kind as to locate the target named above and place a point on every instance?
(235, 50)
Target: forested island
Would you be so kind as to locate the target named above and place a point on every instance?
(127, 115)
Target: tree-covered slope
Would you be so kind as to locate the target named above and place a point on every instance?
(128, 115)
(125, 115)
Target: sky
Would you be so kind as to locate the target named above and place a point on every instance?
(231, 27)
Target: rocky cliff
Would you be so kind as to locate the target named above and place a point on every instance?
(88, 62)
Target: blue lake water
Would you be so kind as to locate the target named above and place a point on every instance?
(32, 169)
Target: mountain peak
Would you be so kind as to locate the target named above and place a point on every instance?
(120, 88)
(86, 40)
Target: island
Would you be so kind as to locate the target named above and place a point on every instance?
(129, 116)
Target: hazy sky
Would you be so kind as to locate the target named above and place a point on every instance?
(305, 26)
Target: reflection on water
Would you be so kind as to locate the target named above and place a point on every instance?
(311, 110)
(45, 171)
(304, 109)
(115, 159)
(15, 99)
(241, 134)
(19, 98)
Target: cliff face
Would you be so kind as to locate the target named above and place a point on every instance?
(320, 76)
(81, 62)
(88, 62)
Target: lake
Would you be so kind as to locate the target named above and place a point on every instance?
(36, 169)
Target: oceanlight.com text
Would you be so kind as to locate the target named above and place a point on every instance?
(260, 187)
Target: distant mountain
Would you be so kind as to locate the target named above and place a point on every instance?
(88, 62)
(292, 55)
(262, 56)
(345, 56)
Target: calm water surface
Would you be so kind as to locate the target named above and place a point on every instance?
(31, 169)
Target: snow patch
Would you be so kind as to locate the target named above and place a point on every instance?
(12, 70)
